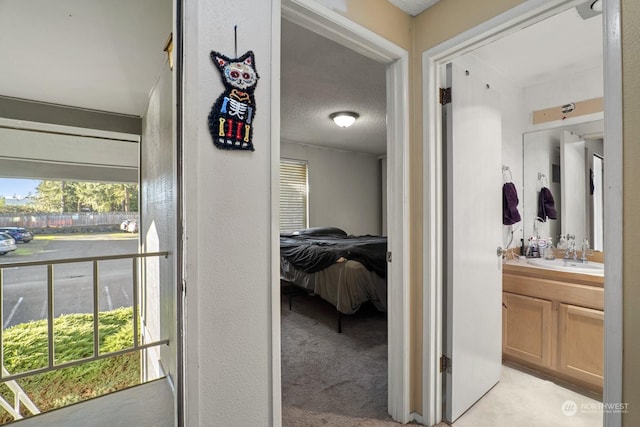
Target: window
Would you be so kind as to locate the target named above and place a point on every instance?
(293, 195)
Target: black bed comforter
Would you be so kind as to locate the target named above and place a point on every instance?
(314, 253)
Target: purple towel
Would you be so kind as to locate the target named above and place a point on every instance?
(546, 205)
(510, 214)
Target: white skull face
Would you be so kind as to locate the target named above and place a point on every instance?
(240, 75)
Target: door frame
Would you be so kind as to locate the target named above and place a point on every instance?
(506, 23)
(336, 27)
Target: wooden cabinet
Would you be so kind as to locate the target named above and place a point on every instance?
(581, 343)
(526, 328)
(554, 325)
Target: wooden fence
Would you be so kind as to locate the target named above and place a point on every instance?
(67, 219)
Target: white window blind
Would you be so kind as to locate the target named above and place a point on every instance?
(293, 195)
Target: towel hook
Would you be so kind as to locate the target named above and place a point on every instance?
(506, 174)
(542, 180)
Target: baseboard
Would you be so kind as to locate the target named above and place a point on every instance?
(414, 416)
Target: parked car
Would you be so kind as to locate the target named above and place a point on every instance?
(124, 225)
(7, 243)
(132, 227)
(129, 225)
(19, 234)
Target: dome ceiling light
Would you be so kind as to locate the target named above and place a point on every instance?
(344, 119)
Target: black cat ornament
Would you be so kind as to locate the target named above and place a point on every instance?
(231, 117)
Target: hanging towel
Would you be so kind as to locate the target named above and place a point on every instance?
(546, 205)
(510, 214)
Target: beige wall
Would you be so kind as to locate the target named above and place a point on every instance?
(383, 18)
(631, 219)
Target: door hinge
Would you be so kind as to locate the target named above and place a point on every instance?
(445, 363)
(389, 256)
(445, 96)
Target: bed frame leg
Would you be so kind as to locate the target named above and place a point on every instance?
(339, 322)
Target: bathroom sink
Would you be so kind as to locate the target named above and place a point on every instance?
(596, 268)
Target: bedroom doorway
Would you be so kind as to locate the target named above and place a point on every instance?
(433, 61)
(320, 21)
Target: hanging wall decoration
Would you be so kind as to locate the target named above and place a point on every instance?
(231, 117)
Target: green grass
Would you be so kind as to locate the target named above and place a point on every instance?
(25, 348)
(40, 242)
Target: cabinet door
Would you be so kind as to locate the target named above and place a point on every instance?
(526, 328)
(581, 342)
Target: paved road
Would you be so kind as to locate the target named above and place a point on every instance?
(25, 288)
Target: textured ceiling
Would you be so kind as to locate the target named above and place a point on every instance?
(413, 7)
(320, 77)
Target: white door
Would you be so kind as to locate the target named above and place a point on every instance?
(473, 284)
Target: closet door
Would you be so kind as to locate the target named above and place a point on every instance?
(473, 290)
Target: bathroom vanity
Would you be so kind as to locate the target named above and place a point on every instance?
(553, 320)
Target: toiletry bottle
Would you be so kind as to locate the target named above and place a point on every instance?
(562, 243)
(549, 252)
(534, 247)
(542, 247)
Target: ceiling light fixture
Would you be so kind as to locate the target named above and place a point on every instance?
(597, 6)
(344, 119)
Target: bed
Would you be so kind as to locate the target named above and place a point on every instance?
(344, 270)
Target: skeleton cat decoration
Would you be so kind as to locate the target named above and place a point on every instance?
(231, 117)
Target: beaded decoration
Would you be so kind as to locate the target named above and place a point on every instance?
(231, 117)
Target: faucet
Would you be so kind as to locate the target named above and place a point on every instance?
(571, 253)
(585, 249)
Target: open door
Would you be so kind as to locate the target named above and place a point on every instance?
(473, 278)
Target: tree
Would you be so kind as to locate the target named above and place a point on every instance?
(49, 196)
(76, 196)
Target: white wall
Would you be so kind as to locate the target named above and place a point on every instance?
(563, 89)
(158, 224)
(383, 191)
(229, 258)
(344, 187)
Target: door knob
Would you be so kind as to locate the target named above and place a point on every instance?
(501, 252)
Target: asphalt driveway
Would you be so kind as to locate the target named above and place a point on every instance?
(24, 289)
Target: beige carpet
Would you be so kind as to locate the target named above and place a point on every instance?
(329, 378)
(520, 399)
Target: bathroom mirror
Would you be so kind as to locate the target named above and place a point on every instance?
(569, 161)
